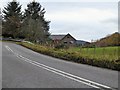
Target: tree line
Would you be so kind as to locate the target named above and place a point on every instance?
(29, 25)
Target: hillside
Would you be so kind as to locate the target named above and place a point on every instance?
(81, 42)
(110, 40)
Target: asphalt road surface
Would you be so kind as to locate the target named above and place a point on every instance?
(24, 68)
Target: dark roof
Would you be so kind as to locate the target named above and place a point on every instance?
(57, 37)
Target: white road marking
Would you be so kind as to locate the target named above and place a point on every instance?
(62, 73)
(9, 49)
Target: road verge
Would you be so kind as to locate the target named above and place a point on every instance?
(74, 57)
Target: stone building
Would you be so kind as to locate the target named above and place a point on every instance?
(63, 39)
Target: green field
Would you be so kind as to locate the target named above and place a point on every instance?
(109, 53)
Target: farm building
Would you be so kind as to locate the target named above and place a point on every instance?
(63, 39)
(67, 40)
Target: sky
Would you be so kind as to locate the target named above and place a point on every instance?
(83, 19)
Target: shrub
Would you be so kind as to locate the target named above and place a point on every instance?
(61, 46)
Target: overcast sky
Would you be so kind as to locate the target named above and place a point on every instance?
(82, 19)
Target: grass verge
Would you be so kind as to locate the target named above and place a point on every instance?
(76, 56)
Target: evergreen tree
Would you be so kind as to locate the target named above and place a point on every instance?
(0, 22)
(35, 26)
(12, 20)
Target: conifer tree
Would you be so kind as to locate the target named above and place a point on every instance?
(12, 19)
(0, 22)
(35, 26)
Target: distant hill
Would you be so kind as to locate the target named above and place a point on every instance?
(81, 42)
(110, 40)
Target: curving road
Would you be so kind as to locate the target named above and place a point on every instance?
(24, 68)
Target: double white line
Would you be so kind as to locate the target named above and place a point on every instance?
(62, 73)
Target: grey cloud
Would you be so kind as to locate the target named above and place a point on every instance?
(111, 20)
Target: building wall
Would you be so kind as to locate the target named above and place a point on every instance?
(68, 40)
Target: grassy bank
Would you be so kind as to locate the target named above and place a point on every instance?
(101, 57)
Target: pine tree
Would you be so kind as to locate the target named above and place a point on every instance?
(0, 22)
(35, 24)
(12, 19)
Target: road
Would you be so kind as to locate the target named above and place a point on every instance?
(24, 68)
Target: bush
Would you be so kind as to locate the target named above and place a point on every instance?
(61, 46)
